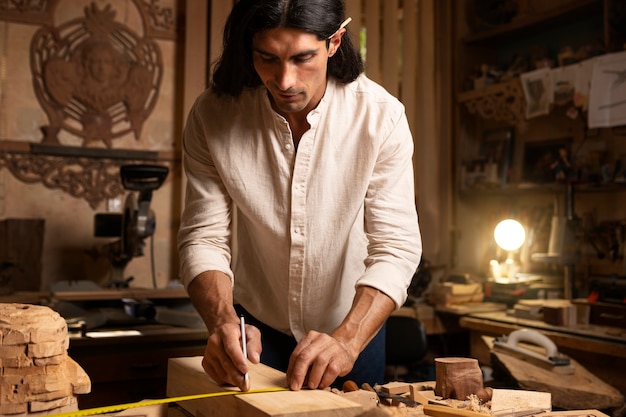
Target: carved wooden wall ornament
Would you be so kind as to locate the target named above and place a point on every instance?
(89, 174)
(504, 102)
(95, 77)
(159, 21)
(93, 180)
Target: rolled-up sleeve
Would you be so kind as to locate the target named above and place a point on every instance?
(204, 234)
(391, 221)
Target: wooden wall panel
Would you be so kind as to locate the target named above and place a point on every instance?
(391, 59)
(219, 12)
(354, 9)
(373, 39)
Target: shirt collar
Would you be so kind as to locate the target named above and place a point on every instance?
(331, 87)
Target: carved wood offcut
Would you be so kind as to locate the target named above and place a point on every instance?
(502, 102)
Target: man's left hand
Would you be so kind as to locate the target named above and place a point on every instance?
(318, 360)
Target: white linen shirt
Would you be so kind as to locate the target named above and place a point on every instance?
(309, 225)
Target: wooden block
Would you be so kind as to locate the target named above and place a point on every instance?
(448, 293)
(395, 388)
(185, 376)
(530, 312)
(417, 396)
(518, 399)
(560, 315)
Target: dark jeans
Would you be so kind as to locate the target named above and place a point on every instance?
(277, 348)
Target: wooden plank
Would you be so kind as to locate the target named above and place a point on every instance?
(185, 376)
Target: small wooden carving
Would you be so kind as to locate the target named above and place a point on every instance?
(503, 102)
(95, 77)
(36, 374)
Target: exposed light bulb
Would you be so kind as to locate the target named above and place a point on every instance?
(509, 234)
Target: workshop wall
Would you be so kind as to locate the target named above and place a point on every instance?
(47, 187)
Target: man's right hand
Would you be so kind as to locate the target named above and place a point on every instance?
(211, 294)
(223, 357)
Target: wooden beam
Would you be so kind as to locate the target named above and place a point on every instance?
(390, 55)
(185, 376)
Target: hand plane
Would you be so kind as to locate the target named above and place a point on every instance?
(558, 362)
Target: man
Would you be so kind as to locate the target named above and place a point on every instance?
(300, 201)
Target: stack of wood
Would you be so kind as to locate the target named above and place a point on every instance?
(449, 293)
(36, 374)
(557, 312)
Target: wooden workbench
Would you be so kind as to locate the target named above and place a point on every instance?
(126, 368)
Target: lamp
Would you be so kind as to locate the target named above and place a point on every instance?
(509, 235)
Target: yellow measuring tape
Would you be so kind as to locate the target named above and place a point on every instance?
(121, 407)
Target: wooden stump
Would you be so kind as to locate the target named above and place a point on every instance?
(457, 378)
(36, 374)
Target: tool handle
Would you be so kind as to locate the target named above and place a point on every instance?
(143, 177)
(539, 339)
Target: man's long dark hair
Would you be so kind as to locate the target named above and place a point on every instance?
(234, 71)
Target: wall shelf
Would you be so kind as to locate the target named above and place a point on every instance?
(91, 174)
(526, 23)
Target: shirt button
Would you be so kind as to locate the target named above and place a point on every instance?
(288, 146)
(296, 230)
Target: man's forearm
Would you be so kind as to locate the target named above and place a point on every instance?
(369, 311)
(211, 294)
